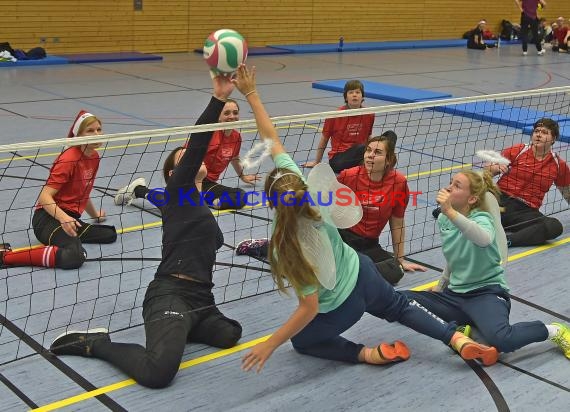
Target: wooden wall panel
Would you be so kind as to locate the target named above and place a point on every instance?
(71, 26)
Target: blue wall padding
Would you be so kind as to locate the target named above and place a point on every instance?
(385, 91)
(259, 51)
(368, 46)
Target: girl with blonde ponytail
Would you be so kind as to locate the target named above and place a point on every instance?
(334, 284)
(473, 289)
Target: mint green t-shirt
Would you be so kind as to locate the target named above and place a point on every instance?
(346, 259)
(471, 266)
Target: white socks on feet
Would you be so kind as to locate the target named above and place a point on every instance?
(552, 330)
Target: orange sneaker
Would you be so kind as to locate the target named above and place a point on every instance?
(468, 349)
(386, 353)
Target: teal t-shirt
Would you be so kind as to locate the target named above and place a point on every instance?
(471, 266)
(346, 259)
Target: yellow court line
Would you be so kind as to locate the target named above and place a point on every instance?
(539, 249)
(434, 171)
(202, 359)
(129, 382)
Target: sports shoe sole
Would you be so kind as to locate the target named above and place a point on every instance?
(396, 352)
(81, 332)
(487, 355)
(119, 198)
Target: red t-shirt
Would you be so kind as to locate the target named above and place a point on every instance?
(73, 175)
(380, 200)
(221, 151)
(345, 132)
(529, 8)
(529, 179)
(560, 34)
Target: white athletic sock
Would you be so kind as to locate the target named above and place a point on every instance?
(552, 330)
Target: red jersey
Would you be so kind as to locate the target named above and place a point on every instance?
(529, 8)
(380, 200)
(221, 151)
(72, 175)
(345, 132)
(529, 179)
(560, 34)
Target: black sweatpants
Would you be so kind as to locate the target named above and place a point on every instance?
(175, 311)
(230, 197)
(347, 159)
(526, 226)
(526, 23)
(388, 267)
(70, 254)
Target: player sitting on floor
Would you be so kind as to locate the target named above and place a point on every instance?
(62, 201)
(224, 149)
(473, 289)
(348, 135)
(534, 168)
(384, 195)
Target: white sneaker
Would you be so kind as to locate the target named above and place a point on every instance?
(125, 195)
(540, 53)
(525, 53)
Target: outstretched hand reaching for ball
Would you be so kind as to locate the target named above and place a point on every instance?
(244, 79)
(223, 86)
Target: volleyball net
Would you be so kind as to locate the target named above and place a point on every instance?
(435, 139)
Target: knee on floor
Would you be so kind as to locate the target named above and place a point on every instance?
(70, 257)
(230, 336)
(553, 227)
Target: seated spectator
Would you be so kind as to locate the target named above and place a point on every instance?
(546, 30)
(562, 36)
(475, 39)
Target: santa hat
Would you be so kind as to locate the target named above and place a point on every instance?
(81, 116)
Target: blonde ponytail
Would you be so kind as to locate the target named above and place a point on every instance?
(287, 193)
(480, 183)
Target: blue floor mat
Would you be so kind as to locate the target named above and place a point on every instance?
(499, 113)
(110, 57)
(385, 91)
(49, 60)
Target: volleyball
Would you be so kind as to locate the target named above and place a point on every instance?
(225, 50)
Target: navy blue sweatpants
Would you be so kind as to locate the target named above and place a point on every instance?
(372, 294)
(487, 309)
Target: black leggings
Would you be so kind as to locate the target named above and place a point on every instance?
(70, 253)
(175, 311)
(230, 197)
(527, 22)
(388, 267)
(526, 226)
(347, 159)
